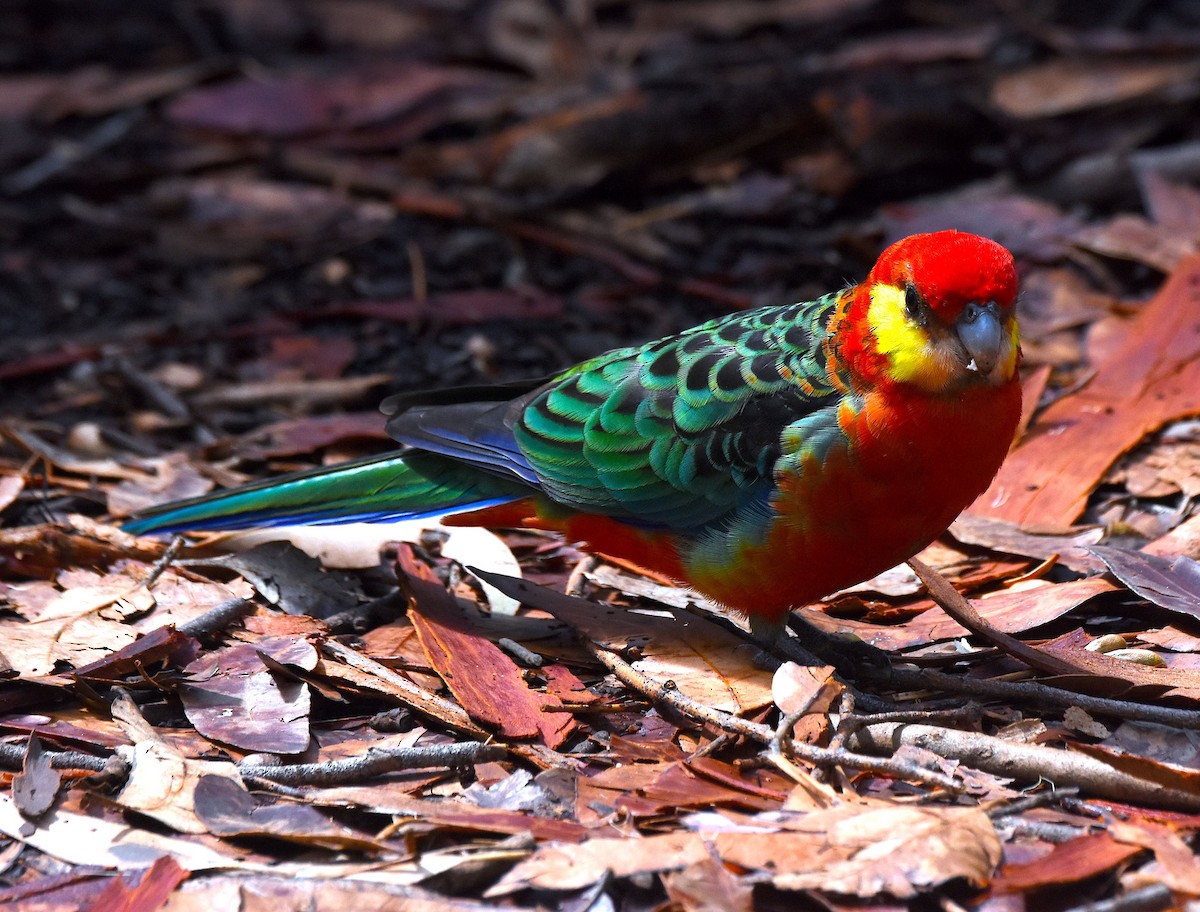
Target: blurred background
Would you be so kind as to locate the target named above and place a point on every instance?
(340, 197)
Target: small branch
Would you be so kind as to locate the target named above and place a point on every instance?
(13, 755)
(526, 657)
(956, 605)
(1146, 899)
(1027, 762)
(405, 691)
(417, 698)
(161, 397)
(577, 581)
(666, 693)
(1033, 692)
(369, 614)
(63, 156)
(376, 762)
(163, 562)
(217, 618)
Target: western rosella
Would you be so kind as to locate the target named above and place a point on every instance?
(764, 459)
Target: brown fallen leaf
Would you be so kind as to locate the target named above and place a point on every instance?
(11, 485)
(1170, 584)
(556, 866)
(36, 786)
(1069, 862)
(1152, 380)
(226, 808)
(149, 891)
(1176, 865)
(1066, 86)
(458, 307)
(900, 851)
(484, 679)
(291, 105)
(301, 436)
(706, 662)
(1132, 237)
(162, 782)
(709, 886)
(1011, 612)
(233, 697)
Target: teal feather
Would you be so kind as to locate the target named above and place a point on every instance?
(390, 487)
(678, 433)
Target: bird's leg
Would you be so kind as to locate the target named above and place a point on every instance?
(772, 633)
(813, 646)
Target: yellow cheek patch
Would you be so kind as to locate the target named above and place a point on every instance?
(912, 356)
(1014, 349)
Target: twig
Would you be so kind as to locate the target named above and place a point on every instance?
(164, 561)
(667, 693)
(429, 704)
(406, 692)
(1033, 692)
(526, 657)
(1044, 830)
(1147, 899)
(369, 614)
(578, 577)
(1027, 762)
(13, 755)
(217, 618)
(1029, 802)
(376, 762)
(63, 155)
(161, 397)
(956, 605)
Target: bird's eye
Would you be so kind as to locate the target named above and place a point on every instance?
(913, 305)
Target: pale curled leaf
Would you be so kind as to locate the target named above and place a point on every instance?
(162, 782)
(901, 851)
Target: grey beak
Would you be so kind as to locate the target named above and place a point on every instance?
(981, 334)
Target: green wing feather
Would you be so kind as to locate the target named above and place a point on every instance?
(680, 432)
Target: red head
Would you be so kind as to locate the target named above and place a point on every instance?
(937, 311)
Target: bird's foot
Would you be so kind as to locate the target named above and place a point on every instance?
(811, 645)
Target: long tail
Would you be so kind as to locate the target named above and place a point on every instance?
(393, 486)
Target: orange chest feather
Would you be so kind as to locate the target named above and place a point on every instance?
(908, 467)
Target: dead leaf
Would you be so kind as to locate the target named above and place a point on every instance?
(36, 786)
(291, 105)
(1069, 862)
(150, 892)
(900, 851)
(11, 486)
(486, 682)
(1176, 864)
(227, 809)
(1170, 584)
(1065, 86)
(556, 866)
(709, 886)
(1010, 612)
(231, 696)
(1152, 380)
(1131, 237)
(162, 782)
(706, 662)
(804, 688)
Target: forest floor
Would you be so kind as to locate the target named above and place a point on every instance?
(229, 228)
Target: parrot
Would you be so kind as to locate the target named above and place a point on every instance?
(764, 459)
